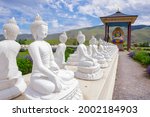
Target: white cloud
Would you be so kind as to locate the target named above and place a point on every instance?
(69, 4)
(144, 20)
(97, 8)
(80, 23)
(101, 7)
(4, 11)
(55, 23)
(70, 7)
(45, 1)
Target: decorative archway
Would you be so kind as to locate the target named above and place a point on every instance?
(119, 19)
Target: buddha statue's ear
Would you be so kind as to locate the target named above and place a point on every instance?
(5, 34)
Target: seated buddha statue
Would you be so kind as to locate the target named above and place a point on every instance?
(104, 50)
(88, 67)
(60, 51)
(12, 83)
(118, 37)
(109, 50)
(101, 47)
(48, 81)
(95, 54)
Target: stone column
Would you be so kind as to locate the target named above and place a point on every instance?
(106, 32)
(129, 37)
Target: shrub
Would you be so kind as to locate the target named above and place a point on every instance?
(22, 41)
(23, 50)
(28, 57)
(25, 64)
(69, 50)
(142, 57)
(144, 44)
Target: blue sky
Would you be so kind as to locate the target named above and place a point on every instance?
(63, 15)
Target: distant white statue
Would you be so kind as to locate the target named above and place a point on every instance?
(101, 42)
(60, 51)
(11, 82)
(104, 50)
(88, 67)
(95, 54)
(47, 80)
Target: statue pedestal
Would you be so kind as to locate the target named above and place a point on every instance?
(72, 60)
(101, 89)
(9, 92)
(89, 73)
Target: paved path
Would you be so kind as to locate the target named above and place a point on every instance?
(132, 83)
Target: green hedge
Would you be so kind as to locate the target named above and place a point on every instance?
(24, 62)
(69, 50)
(25, 65)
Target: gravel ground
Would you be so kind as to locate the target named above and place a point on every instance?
(132, 83)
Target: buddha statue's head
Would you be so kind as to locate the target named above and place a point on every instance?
(11, 29)
(100, 41)
(93, 41)
(81, 37)
(63, 37)
(39, 28)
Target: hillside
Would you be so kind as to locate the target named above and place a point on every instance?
(140, 33)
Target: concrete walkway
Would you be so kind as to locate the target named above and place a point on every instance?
(132, 83)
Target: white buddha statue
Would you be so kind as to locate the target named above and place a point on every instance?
(101, 42)
(47, 80)
(105, 51)
(88, 68)
(12, 83)
(60, 51)
(95, 54)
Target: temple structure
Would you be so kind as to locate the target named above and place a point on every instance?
(119, 19)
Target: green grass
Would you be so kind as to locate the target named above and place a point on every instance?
(25, 41)
(53, 41)
(22, 54)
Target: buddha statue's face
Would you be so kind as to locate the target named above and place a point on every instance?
(41, 32)
(81, 38)
(63, 38)
(93, 41)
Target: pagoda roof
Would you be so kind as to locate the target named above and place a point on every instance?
(119, 17)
